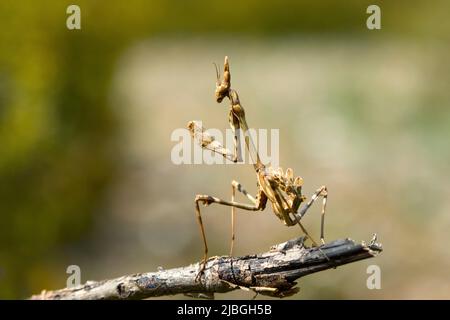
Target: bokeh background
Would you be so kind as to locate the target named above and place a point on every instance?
(86, 118)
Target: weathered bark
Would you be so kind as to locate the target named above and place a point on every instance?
(271, 273)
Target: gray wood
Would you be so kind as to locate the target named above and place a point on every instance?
(270, 273)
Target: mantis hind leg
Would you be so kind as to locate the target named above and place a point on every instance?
(307, 234)
(321, 192)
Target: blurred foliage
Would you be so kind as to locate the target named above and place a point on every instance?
(57, 130)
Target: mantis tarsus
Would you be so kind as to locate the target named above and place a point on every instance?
(280, 188)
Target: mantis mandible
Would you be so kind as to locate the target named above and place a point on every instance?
(280, 188)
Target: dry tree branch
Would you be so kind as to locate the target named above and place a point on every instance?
(270, 273)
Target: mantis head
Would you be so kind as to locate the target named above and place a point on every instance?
(223, 86)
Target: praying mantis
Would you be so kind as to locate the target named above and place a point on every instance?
(280, 188)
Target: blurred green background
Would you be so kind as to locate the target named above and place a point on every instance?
(86, 117)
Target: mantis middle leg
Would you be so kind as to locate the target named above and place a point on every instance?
(257, 204)
(237, 186)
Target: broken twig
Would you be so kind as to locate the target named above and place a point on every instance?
(270, 273)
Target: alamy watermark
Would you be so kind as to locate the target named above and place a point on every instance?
(207, 147)
(373, 22)
(374, 280)
(75, 276)
(73, 21)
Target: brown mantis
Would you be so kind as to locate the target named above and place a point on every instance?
(280, 188)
